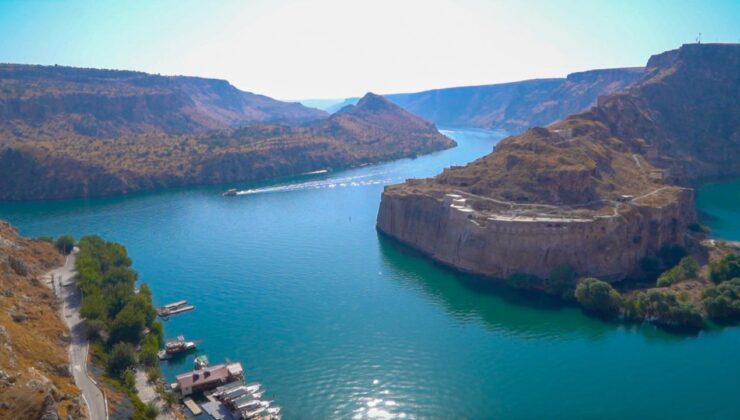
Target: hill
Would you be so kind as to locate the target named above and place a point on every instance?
(34, 374)
(83, 166)
(516, 106)
(52, 101)
(598, 192)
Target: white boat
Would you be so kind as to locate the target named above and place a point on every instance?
(255, 409)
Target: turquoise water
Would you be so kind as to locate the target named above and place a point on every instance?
(335, 321)
(719, 206)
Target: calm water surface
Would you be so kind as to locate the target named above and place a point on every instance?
(335, 321)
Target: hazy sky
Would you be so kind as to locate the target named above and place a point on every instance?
(339, 48)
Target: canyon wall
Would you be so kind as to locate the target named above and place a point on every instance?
(607, 246)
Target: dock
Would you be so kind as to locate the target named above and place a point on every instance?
(174, 308)
(180, 310)
(192, 406)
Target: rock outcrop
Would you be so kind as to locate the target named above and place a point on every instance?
(596, 192)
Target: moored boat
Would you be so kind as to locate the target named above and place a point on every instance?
(177, 346)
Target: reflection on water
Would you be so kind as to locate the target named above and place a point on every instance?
(472, 298)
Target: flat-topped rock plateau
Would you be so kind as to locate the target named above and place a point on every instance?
(596, 192)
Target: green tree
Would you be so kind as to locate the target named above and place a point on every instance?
(65, 244)
(129, 379)
(148, 355)
(598, 296)
(665, 308)
(122, 358)
(722, 302)
(687, 268)
(93, 307)
(128, 325)
(95, 328)
(725, 269)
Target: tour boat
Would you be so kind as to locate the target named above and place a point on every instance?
(175, 347)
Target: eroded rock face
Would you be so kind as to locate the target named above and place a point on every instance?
(606, 246)
(598, 191)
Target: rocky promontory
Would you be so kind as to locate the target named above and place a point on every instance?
(597, 192)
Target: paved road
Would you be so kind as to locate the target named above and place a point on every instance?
(64, 287)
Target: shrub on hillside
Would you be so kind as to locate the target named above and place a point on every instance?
(725, 269)
(598, 296)
(663, 307)
(685, 269)
(722, 302)
(122, 358)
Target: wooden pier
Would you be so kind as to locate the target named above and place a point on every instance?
(174, 308)
(192, 406)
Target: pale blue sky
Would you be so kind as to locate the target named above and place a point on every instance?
(337, 48)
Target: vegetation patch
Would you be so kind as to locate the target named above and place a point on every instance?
(120, 319)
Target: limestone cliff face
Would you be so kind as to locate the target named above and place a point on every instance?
(598, 191)
(606, 246)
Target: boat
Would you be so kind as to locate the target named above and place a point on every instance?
(254, 408)
(175, 347)
(200, 362)
(273, 411)
(230, 192)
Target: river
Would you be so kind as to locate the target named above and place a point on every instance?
(336, 321)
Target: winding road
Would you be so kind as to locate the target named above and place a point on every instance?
(62, 282)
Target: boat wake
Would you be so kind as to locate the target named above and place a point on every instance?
(342, 182)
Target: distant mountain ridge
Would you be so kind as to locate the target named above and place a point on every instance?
(516, 106)
(49, 101)
(513, 106)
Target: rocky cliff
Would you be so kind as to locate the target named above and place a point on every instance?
(598, 191)
(516, 106)
(34, 376)
(82, 166)
(51, 101)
